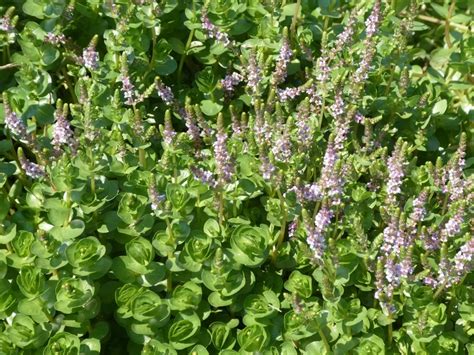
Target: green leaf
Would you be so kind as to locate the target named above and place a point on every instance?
(440, 107)
(74, 229)
(210, 108)
(253, 338)
(300, 284)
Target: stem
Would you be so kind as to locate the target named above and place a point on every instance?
(283, 227)
(183, 56)
(390, 334)
(91, 158)
(169, 279)
(325, 341)
(439, 290)
(9, 66)
(446, 28)
(295, 18)
(142, 158)
(441, 22)
(221, 207)
(69, 85)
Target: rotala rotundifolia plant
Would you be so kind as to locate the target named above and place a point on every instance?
(236, 177)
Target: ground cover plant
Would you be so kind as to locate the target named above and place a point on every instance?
(236, 177)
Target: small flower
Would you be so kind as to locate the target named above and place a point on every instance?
(316, 239)
(463, 260)
(288, 93)
(284, 58)
(359, 118)
(254, 74)
(453, 225)
(282, 148)
(90, 57)
(213, 32)
(346, 35)
(6, 23)
(62, 132)
(168, 132)
(267, 169)
(14, 123)
(230, 81)
(155, 198)
(55, 39)
(31, 169)
(373, 21)
(396, 165)
(225, 168)
(164, 92)
(323, 69)
(205, 176)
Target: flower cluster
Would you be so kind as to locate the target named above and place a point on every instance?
(212, 31)
(90, 57)
(62, 132)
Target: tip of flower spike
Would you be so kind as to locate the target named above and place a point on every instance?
(285, 32)
(93, 42)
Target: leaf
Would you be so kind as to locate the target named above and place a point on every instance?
(440, 107)
(210, 108)
(74, 229)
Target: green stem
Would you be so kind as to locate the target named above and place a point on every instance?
(390, 334)
(283, 227)
(183, 56)
(295, 18)
(325, 341)
(142, 158)
(69, 85)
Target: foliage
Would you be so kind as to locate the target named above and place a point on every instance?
(236, 177)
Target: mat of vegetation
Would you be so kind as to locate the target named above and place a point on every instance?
(236, 177)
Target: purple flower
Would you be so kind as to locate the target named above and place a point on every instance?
(90, 57)
(359, 118)
(230, 81)
(419, 210)
(62, 132)
(14, 123)
(31, 169)
(190, 122)
(288, 93)
(396, 166)
(212, 31)
(6, 24)
(463, 260)
(282, 148)
(55, 39)
(456, 186)
(316, 239)
(266, 168)
(284, 58)
(225, 168)
(155, 198)
(164, 92)
(373, 21)
(346, 35)
(312, 192)
(323, 69)
(453, 225)
(292, 227)
(254, 74)
(168, 131)
(205, 176)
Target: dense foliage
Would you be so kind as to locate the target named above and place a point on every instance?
(236, 177)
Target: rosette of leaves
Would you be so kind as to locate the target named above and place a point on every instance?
(253, 338)
(184, 330)
(86, 256)
(197, 249)
(223, 335)
(138, 264)
(21, 245)
(63, 343)
(250, 245)
(73, 295)
(24, 333)
(261, 308)
(186, 297)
